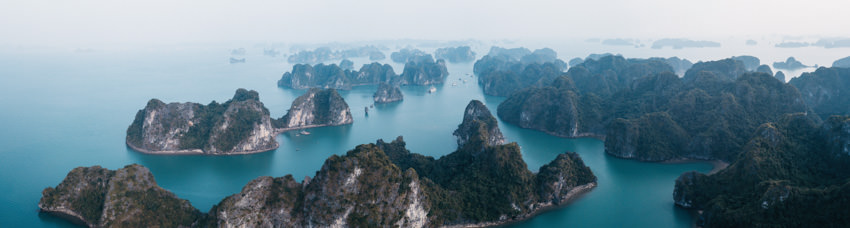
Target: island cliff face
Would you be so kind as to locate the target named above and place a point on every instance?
(128, 197)
(387, 94)
(316, 108)
(786, 168)
(483, 183)
(240, 125)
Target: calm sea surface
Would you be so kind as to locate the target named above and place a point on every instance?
(63, 109)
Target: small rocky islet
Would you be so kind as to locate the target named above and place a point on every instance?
(380, 184)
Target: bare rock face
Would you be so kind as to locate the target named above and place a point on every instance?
(98, 197)
(387, 94)
(360, 189)
(479, 124)
(240, 125)
(316, 108)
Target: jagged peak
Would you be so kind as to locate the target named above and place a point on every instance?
(478, 123)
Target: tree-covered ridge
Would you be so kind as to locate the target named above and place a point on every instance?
(708, 115)
(241, 124)
(792, 173)
(505, 71)
(128, 197)
(826, 90)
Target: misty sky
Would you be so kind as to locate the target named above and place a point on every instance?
(168, 21)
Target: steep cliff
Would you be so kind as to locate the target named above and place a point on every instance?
(127, 197)
(478, 126)
(360, 189)
(387, 94)
(240, 125)
(316, 108)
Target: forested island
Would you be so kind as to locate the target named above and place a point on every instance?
(373, 185)
(461, 54)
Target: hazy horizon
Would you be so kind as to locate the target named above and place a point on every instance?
(100, 22)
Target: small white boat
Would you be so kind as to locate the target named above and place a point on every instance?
(454, 83)
(305, 133)
(432, 90)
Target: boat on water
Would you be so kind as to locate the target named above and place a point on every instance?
(432, 90)
(454, 83)
(305, 133)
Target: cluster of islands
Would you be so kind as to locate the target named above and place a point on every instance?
(786, 145)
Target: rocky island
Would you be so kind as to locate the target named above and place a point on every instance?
(239, 126)
(505, 71)
(405, 55)
(789, 64)
(423, 70)
(387, 94)
(483, 183)
(316, 108)
(127, 197)
(461, 54)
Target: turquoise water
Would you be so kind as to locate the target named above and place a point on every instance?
(61, 110)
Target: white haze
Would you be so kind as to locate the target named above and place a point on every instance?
(93, 22)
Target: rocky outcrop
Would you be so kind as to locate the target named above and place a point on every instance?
(127, 197)
(240, 125)
(359, 189)
(423, 70)
(387, 94)
(459, 54)
(478, 126)
(316, 108)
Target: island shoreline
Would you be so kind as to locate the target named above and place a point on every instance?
(574, 194)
